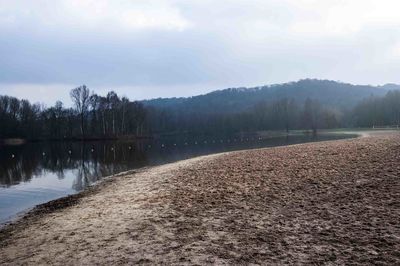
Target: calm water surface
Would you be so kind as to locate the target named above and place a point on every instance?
(35, 173)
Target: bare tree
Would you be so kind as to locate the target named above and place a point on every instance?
(113, 100)
(124, 106)
(94, 103)
(312, 114)
(80, 97)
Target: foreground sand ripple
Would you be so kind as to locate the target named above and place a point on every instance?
(335, 202)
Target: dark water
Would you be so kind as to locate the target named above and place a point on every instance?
(39, 172)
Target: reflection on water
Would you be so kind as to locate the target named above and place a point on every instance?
(89, 161)
(38, 172)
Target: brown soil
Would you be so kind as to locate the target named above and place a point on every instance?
(335, 202)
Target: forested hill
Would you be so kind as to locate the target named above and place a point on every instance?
(306, 104)
(329, 93)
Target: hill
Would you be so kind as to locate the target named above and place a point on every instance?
(329, 93)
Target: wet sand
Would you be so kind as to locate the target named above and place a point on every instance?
(334, 202)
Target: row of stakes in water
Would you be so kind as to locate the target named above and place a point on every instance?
(163, 145)
(213, 141)
(70, 151)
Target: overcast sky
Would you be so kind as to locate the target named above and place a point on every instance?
(161, 48)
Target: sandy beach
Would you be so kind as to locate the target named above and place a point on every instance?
(333, 202)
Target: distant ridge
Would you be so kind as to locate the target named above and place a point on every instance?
(330, 93)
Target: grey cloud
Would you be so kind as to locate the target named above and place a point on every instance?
(206, 45)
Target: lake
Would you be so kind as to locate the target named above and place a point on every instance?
(36, 173)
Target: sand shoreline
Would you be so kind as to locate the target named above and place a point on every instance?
(73, 199)
(202, 210)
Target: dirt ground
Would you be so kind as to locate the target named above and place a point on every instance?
(335, 202)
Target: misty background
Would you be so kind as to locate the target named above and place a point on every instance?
(160, 48)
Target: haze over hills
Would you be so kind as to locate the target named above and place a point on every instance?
(305, 104)
(329, 93)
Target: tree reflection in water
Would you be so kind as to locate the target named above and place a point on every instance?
(89, 161)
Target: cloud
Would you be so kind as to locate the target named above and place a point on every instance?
(88, 15)
(172, 47)
(345, 17)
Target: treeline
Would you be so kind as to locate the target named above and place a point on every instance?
(112, 116)
(280, 114)
(378, 111)
(93, 116)
(284, 114)
(327, 92)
